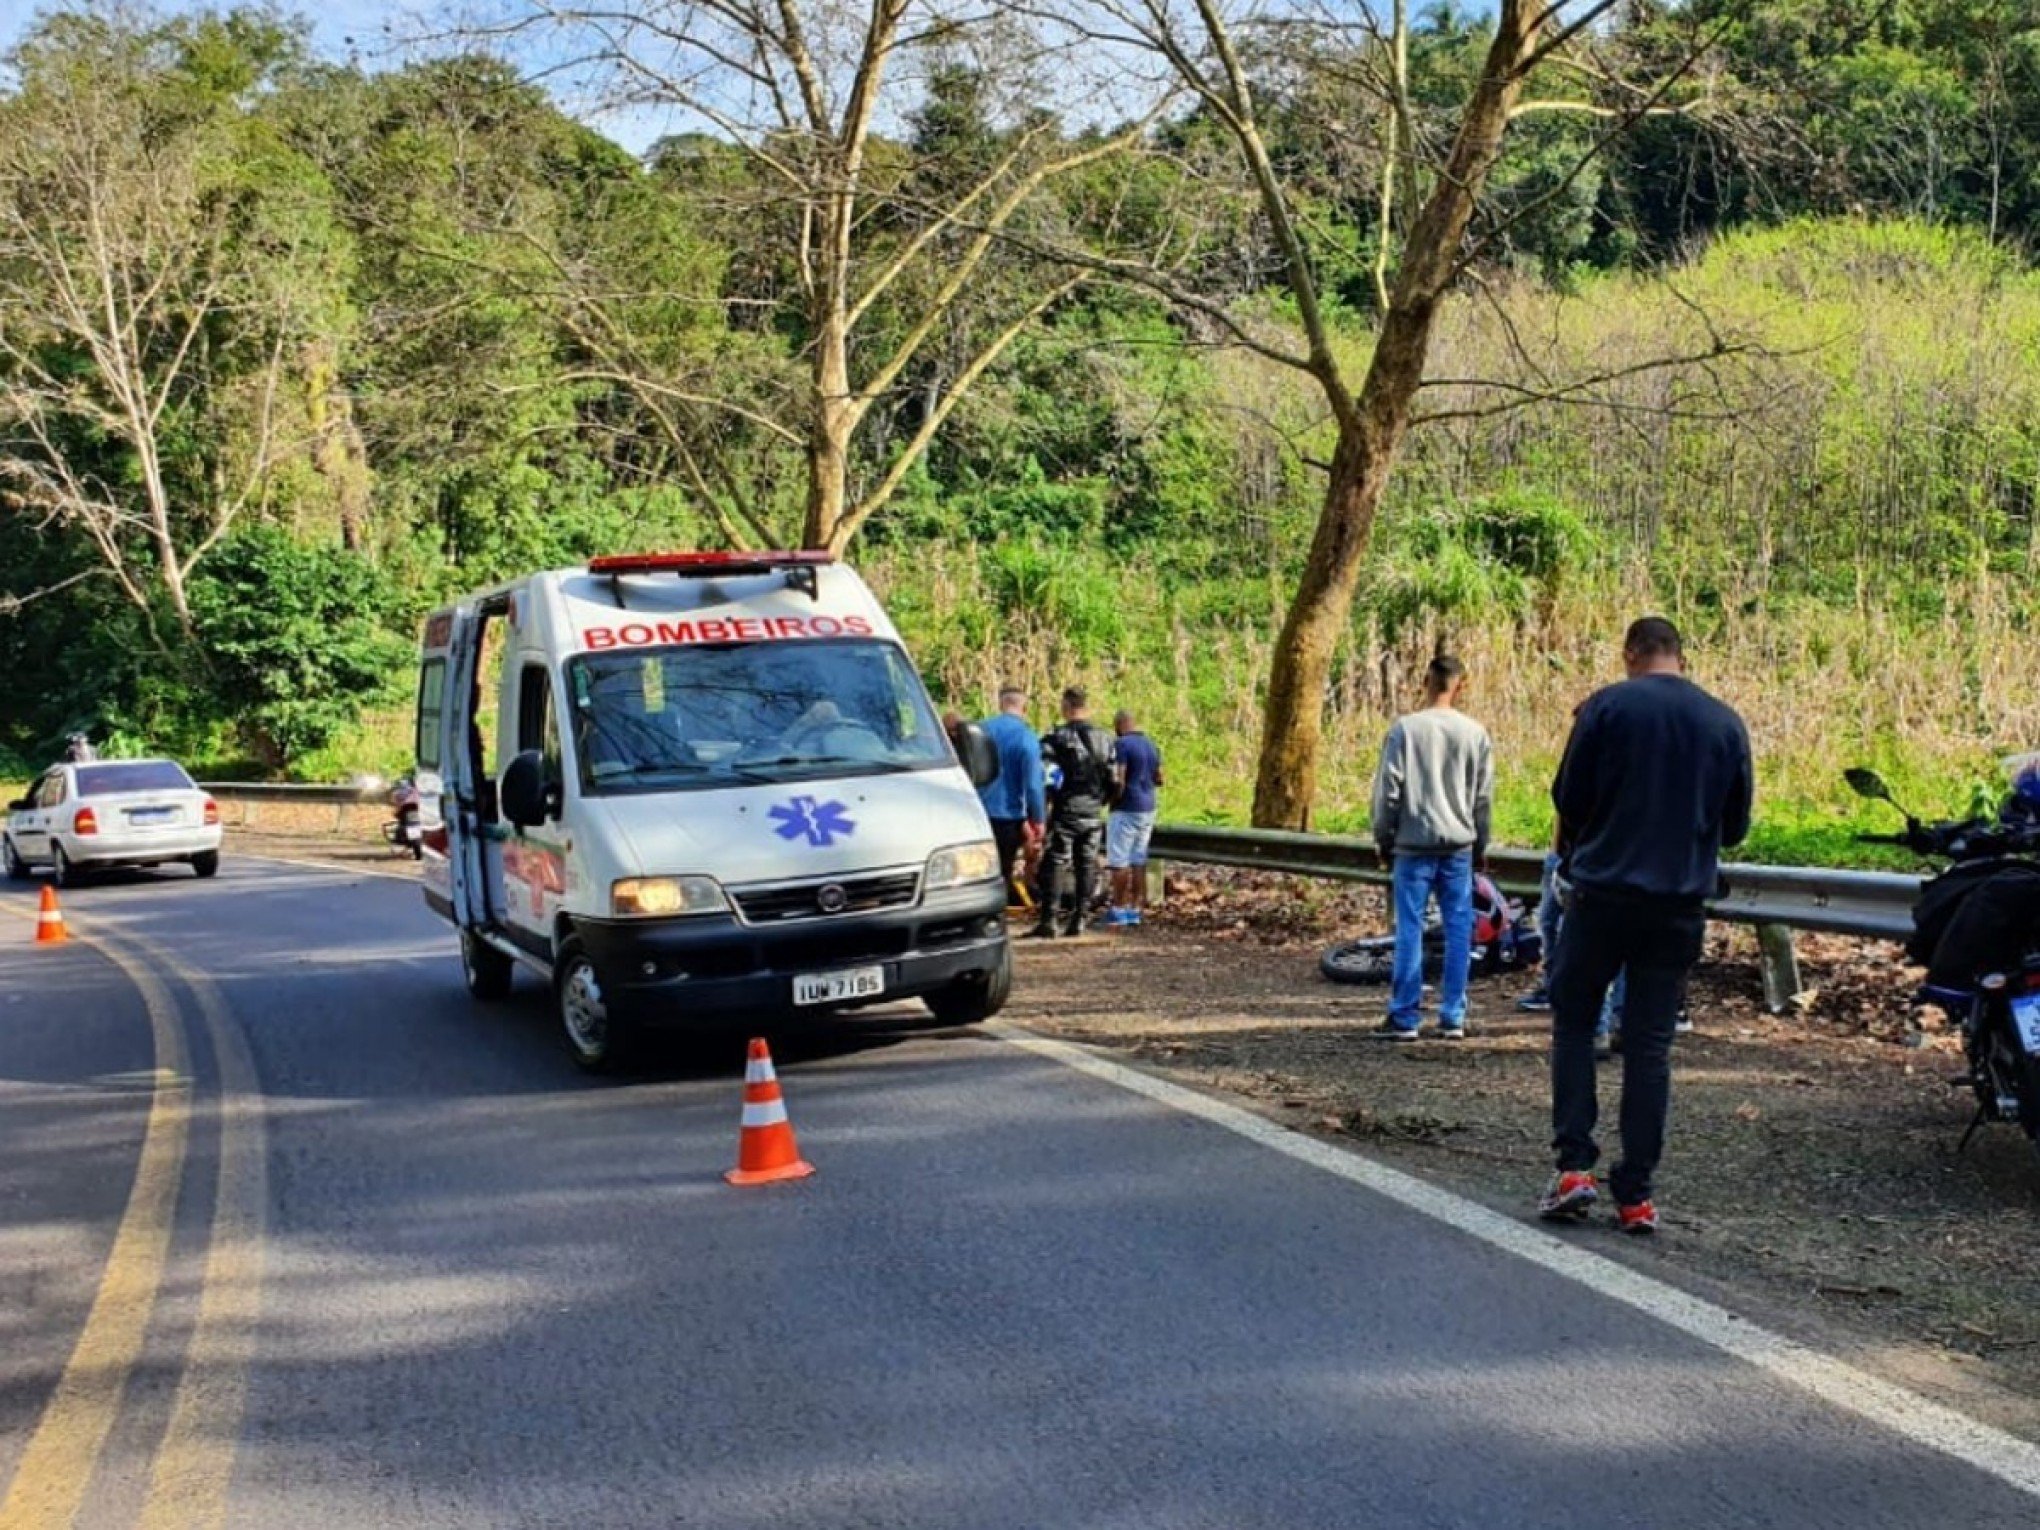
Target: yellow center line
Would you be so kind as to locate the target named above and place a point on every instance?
(195, 1461)
(56, 1469)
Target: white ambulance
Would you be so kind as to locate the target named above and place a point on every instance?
(690, 788)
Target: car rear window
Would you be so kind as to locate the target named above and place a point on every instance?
(131, 776)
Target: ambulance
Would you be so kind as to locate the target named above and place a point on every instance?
(693, 788)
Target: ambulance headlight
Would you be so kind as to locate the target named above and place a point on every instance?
(667, 896)
(977, 861)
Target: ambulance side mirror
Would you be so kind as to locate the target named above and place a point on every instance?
(526, 799)
(980, 754)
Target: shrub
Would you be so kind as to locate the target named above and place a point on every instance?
(294, 638)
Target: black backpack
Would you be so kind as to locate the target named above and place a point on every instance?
(1082, 758)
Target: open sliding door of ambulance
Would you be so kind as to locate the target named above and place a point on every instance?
(458, 638)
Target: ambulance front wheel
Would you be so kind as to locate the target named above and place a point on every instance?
(486, 969)
(971, 1000)
(598, 1039)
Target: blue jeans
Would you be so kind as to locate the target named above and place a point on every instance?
(1549, 914)
(1418, 878)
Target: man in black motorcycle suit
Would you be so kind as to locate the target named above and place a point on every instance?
(1083, 754)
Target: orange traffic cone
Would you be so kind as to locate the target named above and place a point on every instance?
(766, 1150)
(49, 922)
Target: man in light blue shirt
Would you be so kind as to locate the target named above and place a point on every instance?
(1015, 802)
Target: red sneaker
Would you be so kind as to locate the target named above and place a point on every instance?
(1570, 1194)
(1640, 1218)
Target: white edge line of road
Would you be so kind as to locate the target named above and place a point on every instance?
(2011, 1460)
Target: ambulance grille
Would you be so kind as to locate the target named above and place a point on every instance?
(819, 899)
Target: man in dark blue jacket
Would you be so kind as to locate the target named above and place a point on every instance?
(1656, 779)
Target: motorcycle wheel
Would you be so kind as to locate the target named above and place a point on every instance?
(1360, 961)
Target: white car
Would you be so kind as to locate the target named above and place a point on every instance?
(81, 818)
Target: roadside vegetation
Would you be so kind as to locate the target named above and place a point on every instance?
(1771, 367)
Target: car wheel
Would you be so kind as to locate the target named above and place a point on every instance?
(206, 863)
(972, 1000)
(598, 1038)
(486, 969)
(17, 868)
(67, 875)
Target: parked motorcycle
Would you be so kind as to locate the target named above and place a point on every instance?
(405, 834)
(1976, 929)
(1505, 939)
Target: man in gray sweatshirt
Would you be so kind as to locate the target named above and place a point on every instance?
(1433, 798)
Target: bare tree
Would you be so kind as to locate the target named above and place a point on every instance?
(1434, 225)
(886, 268)
(132, 277)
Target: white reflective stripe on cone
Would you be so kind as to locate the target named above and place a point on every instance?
(759, 1071)
(769, 1113)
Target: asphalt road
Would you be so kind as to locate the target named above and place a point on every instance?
(407, 1268)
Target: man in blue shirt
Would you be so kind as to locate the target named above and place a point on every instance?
(1015, 802)
(1138, 773)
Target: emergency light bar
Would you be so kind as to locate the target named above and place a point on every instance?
(799, 567)
(706, 565)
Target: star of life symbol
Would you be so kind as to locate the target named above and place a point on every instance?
(820, 824)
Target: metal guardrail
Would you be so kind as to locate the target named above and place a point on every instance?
(289, 791)
(1868, 903)
(1776, 899)
(249, 796)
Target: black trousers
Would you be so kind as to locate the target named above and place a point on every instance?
(1658, 942)
(1009, 834)
(1073, 841)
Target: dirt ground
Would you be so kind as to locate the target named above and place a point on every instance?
(1812, 1176)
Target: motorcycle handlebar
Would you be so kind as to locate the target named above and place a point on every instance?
(1970, 840)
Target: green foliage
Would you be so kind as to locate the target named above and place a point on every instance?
(1059, 587)
(293, 639)
(1496, 554)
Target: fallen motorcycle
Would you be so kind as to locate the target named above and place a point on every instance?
(1976, 929)
(1505, 939)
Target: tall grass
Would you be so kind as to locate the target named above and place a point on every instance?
(1929, 700)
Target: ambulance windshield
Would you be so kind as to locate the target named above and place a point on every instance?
(701, 717)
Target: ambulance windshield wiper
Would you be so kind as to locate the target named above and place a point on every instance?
(743, 772)
(828, 759)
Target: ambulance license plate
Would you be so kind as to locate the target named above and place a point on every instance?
(835, 987)
(147, 816)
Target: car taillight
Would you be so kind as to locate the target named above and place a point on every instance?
(86, 822)
(212, 811)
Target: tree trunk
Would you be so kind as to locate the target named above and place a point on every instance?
(161, 533)
(1371, 434)
(829, 430)
(1292, 726)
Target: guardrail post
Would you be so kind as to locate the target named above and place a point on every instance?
(1780, 963)
(1157, 883)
